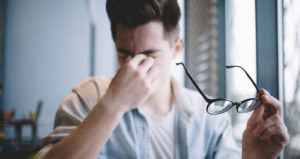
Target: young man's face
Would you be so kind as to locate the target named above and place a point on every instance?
(147, 39)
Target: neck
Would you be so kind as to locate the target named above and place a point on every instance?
(161, 100)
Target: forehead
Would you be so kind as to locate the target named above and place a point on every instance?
(141, 37)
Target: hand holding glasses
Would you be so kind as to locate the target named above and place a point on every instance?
(221, 105)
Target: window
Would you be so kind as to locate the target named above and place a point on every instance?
(201, 36)
(261, 36)
(240, 50)
(291, 22)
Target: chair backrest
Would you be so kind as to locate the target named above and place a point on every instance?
(38, 110)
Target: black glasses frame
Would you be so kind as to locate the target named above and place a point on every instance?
(210, 101)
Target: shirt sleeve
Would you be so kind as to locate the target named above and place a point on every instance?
(72, 111)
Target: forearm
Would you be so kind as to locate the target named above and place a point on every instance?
(87, 140)
(131, 86)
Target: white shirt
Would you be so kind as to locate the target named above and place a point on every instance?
(161, 132)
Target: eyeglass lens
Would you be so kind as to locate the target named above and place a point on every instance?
(221, 106)
(218, 107)
(249, 105)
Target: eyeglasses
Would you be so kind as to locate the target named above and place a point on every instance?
(221, 105)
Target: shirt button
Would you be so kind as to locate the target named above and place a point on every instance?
(143, 129)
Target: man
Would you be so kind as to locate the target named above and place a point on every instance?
(142, 113)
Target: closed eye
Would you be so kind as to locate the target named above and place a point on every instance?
(124, 52)
(150, 52)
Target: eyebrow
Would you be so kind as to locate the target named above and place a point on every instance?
(124, 51)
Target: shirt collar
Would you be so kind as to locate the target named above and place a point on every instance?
(182, 101)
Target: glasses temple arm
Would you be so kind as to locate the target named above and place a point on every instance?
(194, 83)
(257, 89)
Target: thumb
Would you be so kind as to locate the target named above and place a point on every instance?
(256, 117)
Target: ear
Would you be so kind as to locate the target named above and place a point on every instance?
(178, 45)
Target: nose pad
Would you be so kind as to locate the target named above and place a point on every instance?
(237, 103)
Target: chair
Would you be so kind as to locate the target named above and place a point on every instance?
(18, 124)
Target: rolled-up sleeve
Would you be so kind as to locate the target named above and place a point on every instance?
(72, 111)
(68, 116)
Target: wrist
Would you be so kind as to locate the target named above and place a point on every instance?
(109, 107)
(244, 154)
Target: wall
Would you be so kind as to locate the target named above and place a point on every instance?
(105, 56)
(2, 16)
(46, 54)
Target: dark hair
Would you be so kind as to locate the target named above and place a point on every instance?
(133, 13)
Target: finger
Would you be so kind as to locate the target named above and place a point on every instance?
(267, 133)
(256, 117)
(146, 64)
(279, 133)
(273, 102)
(271, 121)
(270, 100)
(152, 73)
(264, 91)
(136, 60)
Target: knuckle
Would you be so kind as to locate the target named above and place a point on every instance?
(267, 131)
(275, 101)
(279, 105)
(287, 138)
(286, 129)
(150, 59)
(276, 117)
(138, 73)
(263, 126)
(277, 127)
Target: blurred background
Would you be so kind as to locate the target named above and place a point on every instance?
(49, 46)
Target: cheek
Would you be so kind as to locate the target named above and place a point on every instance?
(164, 64)
(165, 59)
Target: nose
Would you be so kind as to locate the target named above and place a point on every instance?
(129, 57)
